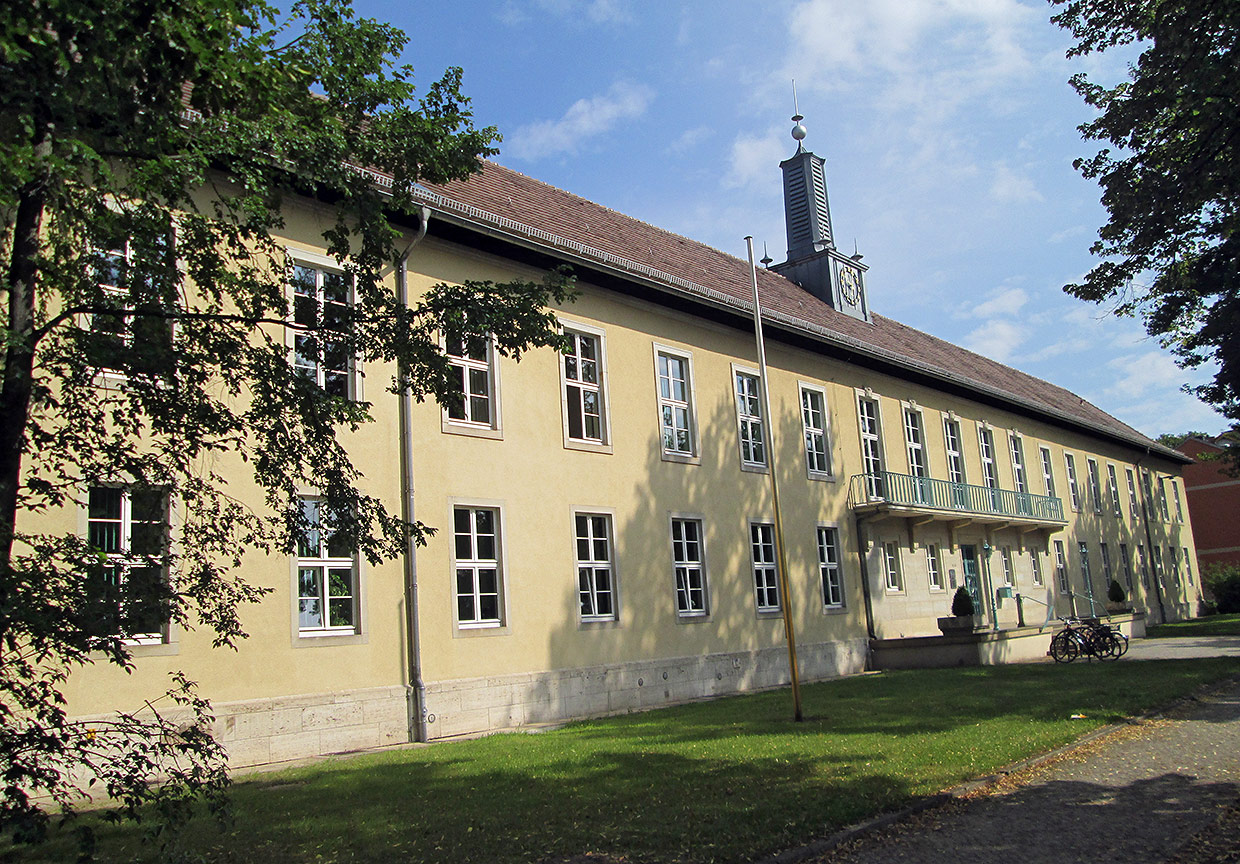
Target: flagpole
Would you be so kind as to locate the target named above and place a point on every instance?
(768, 426)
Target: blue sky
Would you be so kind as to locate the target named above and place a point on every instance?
(948, 127)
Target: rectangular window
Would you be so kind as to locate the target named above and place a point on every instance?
(1123, 553)
(1061, 566)
(1035, 561)
(934, 569)
(1005, 554)
(871, 446)
(913, 443)
(473, 378)
(1174, 557)
(814, 424)
(1085, 576)
(955, 462)
(1179, 510)
(322, 320)
(128, 589)
(986, 447)
(595, 577)
(132, 282)
(689, 563)
(1162, 499)
(1188, 565)
(749, 417)
(762, 556)
(891, 566)
(479, 575)
(1106, 565)
(1117, 509)
(1048, 473)
(675, 405)
(1158, 565)
(1095, 485)
(829, 567)
(1133, 507)
(1144, 564)
(1074, 491)
(1018, 463)
(326, 575)
(584, 399)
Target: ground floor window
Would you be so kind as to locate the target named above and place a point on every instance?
(128, 589)
(762, 556)
(829, 567)
(891, 567)
(477, 566)
(595, 579)
(688, 563)
(933, 569)
(326, 575)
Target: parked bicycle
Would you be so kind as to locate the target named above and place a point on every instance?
(1089, 638)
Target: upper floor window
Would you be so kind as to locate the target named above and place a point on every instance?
(689, 564)
(581, 367)
(1074, 491)
(749, 418)
(1134, 508)
(1179, 509)
(1018, 462)
(762, 557)
(477, 565)
(676, 417)
(1162, 499)
(326, 575)
(322, 319)
(955, 458)
(1048, 472)
(913, 443)
(829, 567)
(871, 445)
(595, 577)
(1188, 565)
(128, 589)
(136, 292)
(814, 425)
(1174, 558)
(473, 379)
(1095, 485)
(1113, 488)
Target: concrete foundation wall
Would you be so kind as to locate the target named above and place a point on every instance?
(476, 705)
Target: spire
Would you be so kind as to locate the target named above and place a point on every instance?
(806, 214)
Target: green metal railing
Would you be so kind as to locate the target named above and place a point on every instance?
(925, 492)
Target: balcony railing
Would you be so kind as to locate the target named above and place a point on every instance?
(924, 493)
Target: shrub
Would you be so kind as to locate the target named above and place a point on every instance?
(1222, 582)
(1115, 593)
(962, 603)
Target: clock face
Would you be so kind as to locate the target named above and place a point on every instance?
(850, 284)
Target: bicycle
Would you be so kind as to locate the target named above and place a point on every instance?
(1087, 638)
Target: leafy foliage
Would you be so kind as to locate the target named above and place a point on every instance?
(1115, 592)
(1172, 189)
(148, 155)
(1222, 582)
(962, 602)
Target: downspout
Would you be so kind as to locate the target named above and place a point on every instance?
(416, 700)
(865, 580)
(1152, 560)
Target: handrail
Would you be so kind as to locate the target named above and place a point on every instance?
(886, 487)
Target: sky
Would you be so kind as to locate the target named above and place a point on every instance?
(948, 126)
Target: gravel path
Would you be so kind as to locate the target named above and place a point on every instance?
(1160, 790)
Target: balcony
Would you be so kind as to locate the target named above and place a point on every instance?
(962, 503)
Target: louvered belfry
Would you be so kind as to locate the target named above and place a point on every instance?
(806, 212)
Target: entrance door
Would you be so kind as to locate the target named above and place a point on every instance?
(972, 578)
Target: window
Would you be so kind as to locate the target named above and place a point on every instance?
(133, 281)
(749, 417)
(1179, 510)
(829, 567)
(1061, 567)
(955, 462)
(1095, 485)
(322, 318)
(585, 410)
(1023, 504)
(1174, 558)
(128, 589)
(1106, 565)
(913, 442)
(1158, 564)
(595, 577)
(473, 371)
(1036, 563)
(1085, 577)
(1133, 506)
(814, 423)
(1123, 553)
(676, 405)
(476, 553)
(1188, 565)
(933, 568)
(1048, 473)
(1074, 491)
(891, 565)
(1162, 499)
(762, 555)
(1113, 487)
(688, 561)
(1144, 564)
(871, 445)
(1005, 554)
(326, 575)
(986, 447)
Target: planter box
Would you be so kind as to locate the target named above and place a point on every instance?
(962, 624)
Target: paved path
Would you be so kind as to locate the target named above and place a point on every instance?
(1137, 795)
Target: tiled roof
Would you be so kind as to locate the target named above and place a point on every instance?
(508, 201)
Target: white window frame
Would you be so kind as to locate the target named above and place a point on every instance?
(1188, 566)
(956, 471)
(1117, 509)
(1179, 509)
(817, 438)
(830, 574)
(688, 404)
(1095, 483)
(321, 265)
(1035, 564)
(986, 453)
(588, 567)
(1174, 557)
(602, 444)
(122, 558)
(751, 430)
(1082, 549)
(1162, 499)
(1005, 555)
(915, 441)
(1048, 472)
(1107, 573)
(1143, 563)
(1124, 553)
(1074, 491)
(763, 566)
(893, 575)
(934, 567)
(325, 564)
(1134, 505)
(873, 460)
(1158, 565)
(476, 564)
(1016, 447)
(1061, 567)
(492, 427)
(683, 564)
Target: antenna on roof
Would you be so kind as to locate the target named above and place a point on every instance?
(798, 131)
(856, 256)
(766, 256)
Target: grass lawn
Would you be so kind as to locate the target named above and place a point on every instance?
(1211, 625)
(730, 780)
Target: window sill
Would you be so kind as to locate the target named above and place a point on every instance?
(587, 446)
(834, 610)
(489, 628)
(597, 623)
(769, 613)
(327, 638)
(684, 458)
(457, 427)
(818, 475)
(754, 468)
(692, 617)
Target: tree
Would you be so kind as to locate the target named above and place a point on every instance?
(1175, 439)
(1172, 191)
(147, 151)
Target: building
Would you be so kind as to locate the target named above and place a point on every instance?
(606, 523)
(1213, 499)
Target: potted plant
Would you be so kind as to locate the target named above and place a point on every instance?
(963, 615)
(1116, 598)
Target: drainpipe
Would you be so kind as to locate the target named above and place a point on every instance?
(416, 689)
(865, 581)
(1146, 491)
(988, 586)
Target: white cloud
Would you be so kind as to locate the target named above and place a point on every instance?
(585, 119)
(1002, 302)
(593, 11)
(996, 339)
(1141, 373)
(1068, 233)
(688, 140)
(751, 160)
(1012, 188)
